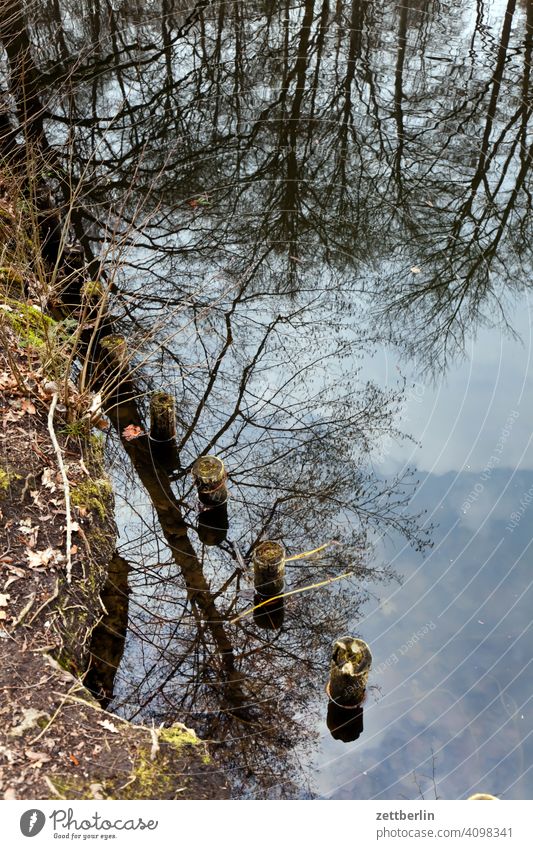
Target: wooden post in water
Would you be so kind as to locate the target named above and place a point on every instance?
(112, 366)
(269, 568)
(163, 429)
(350, 664)
(92, 293)
(210, 478)
(116, 352)
(162, 417)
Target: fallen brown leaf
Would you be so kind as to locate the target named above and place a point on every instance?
(132, 432)
(109, 726)
(37, 559)
(40, 757)
(48, 479)
(16, 570)
(27, 406)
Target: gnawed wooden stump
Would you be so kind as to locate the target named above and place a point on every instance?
(115, 350)
(162, 417)
(92, 292)
(163, 429)
(350, 664)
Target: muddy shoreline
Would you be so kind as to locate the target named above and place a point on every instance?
(57, 740)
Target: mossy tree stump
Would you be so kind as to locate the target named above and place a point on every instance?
(115, 350)
(163, 429)
(92, 293)
(269, 568)
(162, 417)
(210, 478)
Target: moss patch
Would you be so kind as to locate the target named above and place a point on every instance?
(7, 477)
(178, 735)
(11, 276)
(92, 290)
(93, 495)
(159, 774)
(156, 777)
(30, 325)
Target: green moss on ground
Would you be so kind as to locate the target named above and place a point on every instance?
(156, 772)
(10, 276)
(30, 325)
(7, 477)
(94, 495)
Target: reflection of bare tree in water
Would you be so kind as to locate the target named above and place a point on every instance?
(255, 170)
(289, 142)
(472, 241)
(252, 689)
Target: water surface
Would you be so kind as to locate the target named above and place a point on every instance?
(316, 219)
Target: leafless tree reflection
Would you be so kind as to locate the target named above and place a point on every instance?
(255, 180)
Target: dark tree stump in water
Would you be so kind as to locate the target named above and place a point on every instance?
(270, 615)
(163, 429)
(116, 352)
(269, 568)
(210, 478)
(350, 664)
(92, 292)
(162, 417)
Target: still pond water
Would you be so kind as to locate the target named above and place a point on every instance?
(317, 217)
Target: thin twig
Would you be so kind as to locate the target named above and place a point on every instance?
(24, 612)
(154, 733)
(46, 602)
(76, 685)
(66, 485)
(305, 554)
(53, 788)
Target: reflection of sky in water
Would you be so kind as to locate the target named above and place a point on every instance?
(460, 690)
(450, 687)
(456, 696)
(459, 418)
